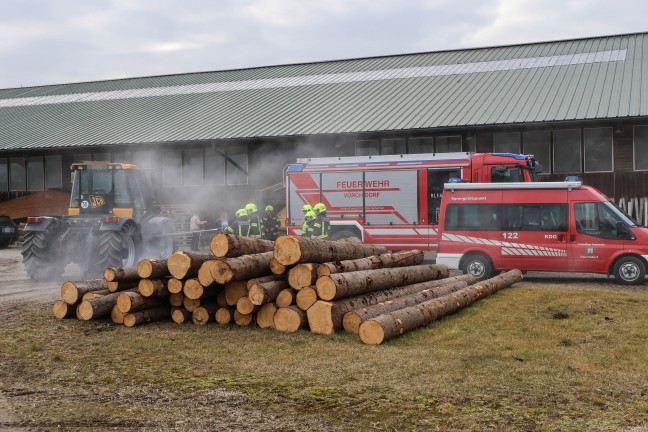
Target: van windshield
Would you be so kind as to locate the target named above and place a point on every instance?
(622, 215)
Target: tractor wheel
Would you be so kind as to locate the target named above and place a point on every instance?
(117, 248)
(41, 262)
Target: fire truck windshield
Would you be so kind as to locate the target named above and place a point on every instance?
(507, 174)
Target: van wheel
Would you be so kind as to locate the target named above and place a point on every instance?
(629, 270)
(478, 266)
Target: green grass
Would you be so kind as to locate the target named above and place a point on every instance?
(537, 356)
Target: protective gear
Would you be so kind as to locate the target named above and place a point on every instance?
(256, 228)
(241, 226)
(319, 208)
(251, 208)
(310, 216)
(307, 227)
(270, 223)
(240, 212)
(319, 228)
(269, 209)
(306, 208)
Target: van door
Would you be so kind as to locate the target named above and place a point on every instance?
(593, 236)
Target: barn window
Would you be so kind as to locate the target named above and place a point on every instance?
(598, 149)
(640, 148)
(237, 165)
(367, 148)
(448, 144)
(420, 145)
(567, 151)
(53, 172)
(214, 167)
(538, 144)
(35, 173)
(4, 175)
(506, 142)
(172, 168)
(17, 174)
(393, 146)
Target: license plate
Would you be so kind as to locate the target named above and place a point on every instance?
(7, 230)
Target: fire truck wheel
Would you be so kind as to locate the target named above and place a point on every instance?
(117, 248)
(343, 234)
(478, 266)
(629, 270)
(41, 263)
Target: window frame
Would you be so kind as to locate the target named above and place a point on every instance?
(580, 150)
(634, 148)
(584, 144)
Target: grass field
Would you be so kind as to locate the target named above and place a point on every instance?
(561, 355)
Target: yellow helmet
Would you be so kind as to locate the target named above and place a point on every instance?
(240, 212)
(306, 208)
(269, 209)
(319, 208)
(310, 215)
(251, 208)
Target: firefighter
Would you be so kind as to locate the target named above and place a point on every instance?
(321, 225)
(305, 209)
(307, 228)
(241, 225)
(270, 224)
(256, 227)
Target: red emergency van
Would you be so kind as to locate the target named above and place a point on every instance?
(391, 200)
(552, 226)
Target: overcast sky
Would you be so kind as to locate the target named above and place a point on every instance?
(61, 41)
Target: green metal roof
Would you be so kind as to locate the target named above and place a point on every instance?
(580, 79)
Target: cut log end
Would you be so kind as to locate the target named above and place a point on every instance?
(84, 311)
(62, 310)
(69, 293)
(287, 250)
(109, 274)
(289, 319)
(201, 316)
(146, 287)
(221, 272)
(306, 297)
(174, 285)
(129, 320)
(180, 315)
(117, 316)
(351, 322)
(277, 268)
(124, 303)
(193, 289)
(371, 333)
(219, 245)
(179, 263)
(265, 316)
(144, 268)
(224, 316)
(319, 318)
(326, 289)
(243, 319)
(244, 306)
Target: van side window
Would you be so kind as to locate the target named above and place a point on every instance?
(595, 219)
(535, 217)
(472, 217)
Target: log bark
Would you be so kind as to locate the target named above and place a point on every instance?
(243, 320)
(353, 319)
(204, 314)
(389, 260)
(327, 317)
(131, 301)
(93, 294)
(231, 246)
(244, 306)
(63, 310)
(204, 273)
(153, 287)
(289, 250)
(224, 315)
(184, 264)
(191, 304)
(265, 315)
(98, 307)
(180, 315)
(121, 286)
(342, 285)
(176, 299)
(286, 297)
(234, 291)
(175, 285)
(72, 291)
(150, 268)
(220, 299)
(117, 316)
(241, 268)
(276, 267)
(146, 316)
(306, 297)
(302, 275)
(121, 274)
(266, 292)
(193, 289)
(289, 319)
(387, 326)
(263, 279)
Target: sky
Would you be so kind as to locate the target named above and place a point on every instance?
(63, 41)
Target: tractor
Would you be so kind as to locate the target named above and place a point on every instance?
(112, 221)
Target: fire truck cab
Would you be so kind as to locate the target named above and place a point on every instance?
(552, 226)
(391, 200)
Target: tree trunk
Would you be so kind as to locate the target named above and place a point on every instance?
(98, 307)
(117, 316)
(231, 246)
(193, 289)
(263, 279)
(121, 274)
(175, 285)
(276, 267)
(286, 297)
(289, 319)
(389, 260)
(180, 315)
(176, 299)
(384, 327)
(147, 316)
(342, 285)
(327, 317)
(265, 315)
(122, 286)
(204, 314)
(243, 320)
(241, 268)
(130, 301)
(150, 268)
(204, 273)
(93, 294)
(302, 275)
(244, 306)
(153, 288)
(63, 310)
(353, 319)
(184, 264)
(306, 297)
(290, 250)
(266, 292)
(191, 304)
(72, 291)
(234, 291)
(224, 315)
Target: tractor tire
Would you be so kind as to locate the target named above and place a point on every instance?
(117, 248)
(40, 261)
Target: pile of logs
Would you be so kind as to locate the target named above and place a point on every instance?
(291, 284)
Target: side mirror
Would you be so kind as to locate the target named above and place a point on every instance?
(623, 231)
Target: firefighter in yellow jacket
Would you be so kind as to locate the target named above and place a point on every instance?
(305, 209)
(256, 227)
(241, 226)
(321, 225)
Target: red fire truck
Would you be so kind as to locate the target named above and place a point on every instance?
(552, 226)
(391, 200)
